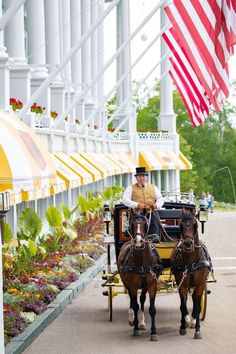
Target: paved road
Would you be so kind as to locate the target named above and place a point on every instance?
(84, 327)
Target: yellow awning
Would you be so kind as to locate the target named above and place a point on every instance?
(186, 162)
(118, 162)
(95, 163)
(102, 161)
(150, 161)
(114, 168)
(86, 177)
(127, 159)
(96, 174)
(71, 179)
(163, 160)
(59, 187)
(25, 163)
(36, 194)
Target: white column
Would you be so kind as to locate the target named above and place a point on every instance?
(85, 50)
(167, 118)
(75, 20)
(124, 64)
(166, 181)
(36, 49)
(102, 114)
(15, 42)
(94, 49)
(14, 34)
(36, 36)
(94, 60)
(65, 29)
(4, 73)
(86, 58)
(52, 35)
(177, 181)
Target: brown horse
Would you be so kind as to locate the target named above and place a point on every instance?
(139, 266)
(191, 265)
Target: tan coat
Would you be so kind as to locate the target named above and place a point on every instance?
(145, 195)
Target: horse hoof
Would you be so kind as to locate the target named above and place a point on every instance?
(142, 327)
(182, 331)
(197, 335)
(131, 324)
(153, 337)
(136, 333)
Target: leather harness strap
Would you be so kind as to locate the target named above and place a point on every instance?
(140, 269)
(191, 267)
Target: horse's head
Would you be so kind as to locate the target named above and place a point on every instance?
(188, 228)
(139, 224)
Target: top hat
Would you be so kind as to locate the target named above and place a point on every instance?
(141, 171)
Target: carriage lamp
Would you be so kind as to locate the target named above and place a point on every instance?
(107, 216)
(202, 215)
(4, 208)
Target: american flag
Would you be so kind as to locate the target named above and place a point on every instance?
(205, 33)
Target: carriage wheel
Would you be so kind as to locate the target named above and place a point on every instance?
(110, 309)
(203, 304)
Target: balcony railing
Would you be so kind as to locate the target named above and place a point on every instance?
(153, 136)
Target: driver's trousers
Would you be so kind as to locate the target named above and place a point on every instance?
(154, 227)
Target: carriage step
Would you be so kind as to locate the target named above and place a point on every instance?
(105, 293)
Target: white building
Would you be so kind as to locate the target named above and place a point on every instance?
(52, 54)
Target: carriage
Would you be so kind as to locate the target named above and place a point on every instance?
(170, 216)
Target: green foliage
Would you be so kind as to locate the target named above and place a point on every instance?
(111, 194)
(66, 212)
(30, 225)
(7, 232)
(53, 216)
(212, 146)
(92, 204)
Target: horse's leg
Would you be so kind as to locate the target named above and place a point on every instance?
(197, 294)
(131, 315)
(184, 311)
(135, 307)
(142, 324)
(152, 311)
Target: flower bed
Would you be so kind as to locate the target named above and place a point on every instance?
(36, 266)
(27, 295)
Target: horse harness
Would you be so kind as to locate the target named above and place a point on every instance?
(191, 267)
(144, 269)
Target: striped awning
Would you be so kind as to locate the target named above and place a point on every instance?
(59, 187)
(124, 168)
(71, 179)
(127, 159)
(112, 166)
(85, 176)
(92, 160)
(25, 163)
(163, 160)
(96, 174)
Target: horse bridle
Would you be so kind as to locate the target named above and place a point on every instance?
(190, 240)
(139, 235)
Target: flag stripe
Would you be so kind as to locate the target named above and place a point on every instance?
(171, 39)
(190, 48)
(204, 42)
